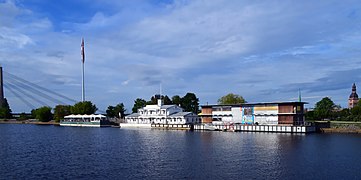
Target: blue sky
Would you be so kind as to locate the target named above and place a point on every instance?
(262, 50)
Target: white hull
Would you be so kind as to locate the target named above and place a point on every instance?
(80, 125)
(127, 125)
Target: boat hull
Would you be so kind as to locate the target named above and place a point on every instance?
(84, 124)
(126, 125)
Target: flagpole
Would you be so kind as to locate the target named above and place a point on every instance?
(83, 60)
(82, 87)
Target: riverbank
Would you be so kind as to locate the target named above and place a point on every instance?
(321, 126)
(340, 130)
(338, 127)
(28, 122)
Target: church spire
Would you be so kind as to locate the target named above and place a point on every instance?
(353, 94)
(353, 99)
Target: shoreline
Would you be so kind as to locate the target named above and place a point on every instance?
(29, 122)
(338, 130)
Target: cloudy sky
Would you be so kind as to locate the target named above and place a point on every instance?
(262, 50)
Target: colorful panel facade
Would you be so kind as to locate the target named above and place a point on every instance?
(266, 120)
(267, 110)
(289, 113)
(266, 115)
(237, 114)
(247, 115)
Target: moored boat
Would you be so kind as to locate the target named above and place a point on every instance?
(93, 120)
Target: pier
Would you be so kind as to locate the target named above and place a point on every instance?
(173, 126)
(226, 127)
(256, 128)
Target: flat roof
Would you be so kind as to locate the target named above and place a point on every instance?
(255, 104)
(84, 116)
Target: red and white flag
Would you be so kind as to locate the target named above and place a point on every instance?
(82, 50)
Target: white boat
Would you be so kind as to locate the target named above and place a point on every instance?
(93, 120)
(210, 127)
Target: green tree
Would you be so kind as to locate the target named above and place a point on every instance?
(110, 111)
(324, 109)
(167, 100)
(23, 116)
(138, 103)
(231, 99)
(43, 114)
(60, 111)
(154, 100)
(355, 113)
(310, 115)
(190, 103)
(356, 110)
(118, 111)
(85, 107)
(343, 115)
(177, 100)
(5, 111)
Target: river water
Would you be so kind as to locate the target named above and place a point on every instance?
(53, 152)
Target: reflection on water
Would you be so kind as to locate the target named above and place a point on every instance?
(30, 151)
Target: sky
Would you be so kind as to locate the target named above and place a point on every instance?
(265, 51)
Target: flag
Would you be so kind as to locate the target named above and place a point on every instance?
(82, 50)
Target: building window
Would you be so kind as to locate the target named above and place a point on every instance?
(247, 111)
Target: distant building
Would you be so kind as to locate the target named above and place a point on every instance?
(276, 113)
(162, 114)
(353, 99)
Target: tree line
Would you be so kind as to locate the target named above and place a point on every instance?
(326, 109)
(189, 102)
(5, 111)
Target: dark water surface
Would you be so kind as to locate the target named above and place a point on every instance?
(51, 152)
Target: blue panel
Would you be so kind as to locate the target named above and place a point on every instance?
(247, 115)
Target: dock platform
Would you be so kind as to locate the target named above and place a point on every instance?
(257, 128)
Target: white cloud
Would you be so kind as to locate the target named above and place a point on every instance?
(8, 12)
(208, 47)
(10, 39)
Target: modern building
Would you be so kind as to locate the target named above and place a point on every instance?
(162, 114)
(275, 113)
(353, 99)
